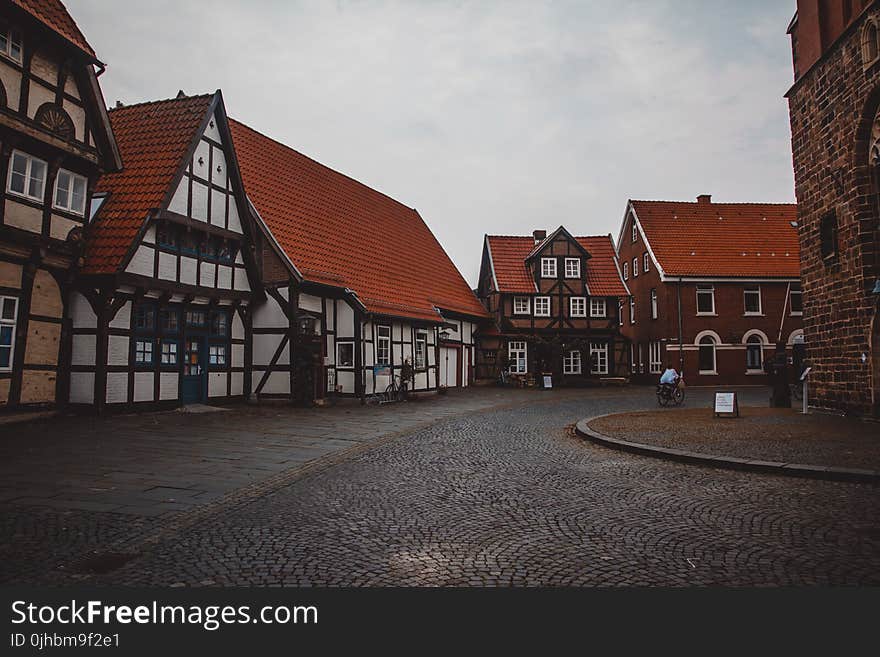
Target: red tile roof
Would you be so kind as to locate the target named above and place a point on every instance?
(338, 231)
(53, 14)
(509, 255)
(722, 239)
(153, 139)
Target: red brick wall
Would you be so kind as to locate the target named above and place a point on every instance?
(831, 111)
(730, 322)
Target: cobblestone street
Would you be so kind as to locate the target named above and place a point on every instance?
(498, 496)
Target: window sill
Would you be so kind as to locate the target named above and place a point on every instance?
(707, 314)
(542, 315)
(708, 373)
(753, 315)
(72, 213)
(800, 314)
(755, 372)
(36, 200)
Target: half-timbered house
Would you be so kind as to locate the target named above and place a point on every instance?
(555, 301)
(377, 290)
(55, 140)
(160, 312)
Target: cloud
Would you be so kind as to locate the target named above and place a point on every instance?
(487, 117)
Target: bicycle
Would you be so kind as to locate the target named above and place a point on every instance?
(397, 390)
(670, 393)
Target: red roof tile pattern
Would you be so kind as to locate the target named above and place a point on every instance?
(53, 14)
(338, 231)
(722, 239)
(509, 253)
(153, 139)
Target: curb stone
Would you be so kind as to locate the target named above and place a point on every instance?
(857, 475)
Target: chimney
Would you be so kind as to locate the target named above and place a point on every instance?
(704, 199)
(180, 94)
(119, 104)
(539, 235)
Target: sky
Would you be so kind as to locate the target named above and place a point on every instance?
(487, 117)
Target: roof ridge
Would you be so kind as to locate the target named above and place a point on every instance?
(321, 164)
(160, 101)
(711, 203)
(577, 237)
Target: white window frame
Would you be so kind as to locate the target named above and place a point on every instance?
(598, 307)
(620, 313)
(599, 364)
(11, 42)
(548, 268)
(166, 356)
(542, 303)
(514, 349)
(27, 176)
(571, 362)
(383, 343)
(632, 310)
(655, 357)
(626, 271)
(217, 355)
(635, 267)
(753, 289)
(9, 323)
(572, 267)
(579, 301)
(705, 289)
(750, 345)
(635, 231)
(654, 312)
(791, 310)
(74, 178)
(147, 349)
(700, 345)
(339, 345)
(646, 263)
(523, 310)
(420, 353)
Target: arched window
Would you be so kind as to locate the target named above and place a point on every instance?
(55, 119)
(2, 95)
(870, 44)
(707, 354)
(754, 353)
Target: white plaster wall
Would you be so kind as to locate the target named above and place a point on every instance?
(270, 315)
(117, 387)
(70, 87)
(202, 152)
(277, 383)
(264, 348)
(216, 384)
(218, 177)
(218, 208)
(78, 116)
(310, 303)
(142, 261)
(45, 67)
(237, 383)
(82, 387)
(345, 378)
(83, 352)
(178, 201)
(167, 266)
(234, 219)
(224, 277)
(188, 270)
(237, 327)
(37, 95)
(117, 350)
(345, 320)
(213, 132)
(241, 280)
(12, 81)
(81, 312)
(168, 385)
(206, 276)
(143, 386)
(199, 201)
(237, 355)
(123, 317)
(23, 216)
(60, 227)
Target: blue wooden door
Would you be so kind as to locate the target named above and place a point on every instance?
(195, 375)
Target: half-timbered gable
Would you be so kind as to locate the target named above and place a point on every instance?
(165, 296)
(555, 301)
(55, 140)
(715, 288)
(377, 289)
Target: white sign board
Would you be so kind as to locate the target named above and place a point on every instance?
(725, 402)
(806, 374)
(548, 381)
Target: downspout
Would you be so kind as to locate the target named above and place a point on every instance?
(680, 332)
(784, 308)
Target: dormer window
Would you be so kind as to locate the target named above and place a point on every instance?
(10, 43)
(548, 267)
(70, 192)
(572, 268)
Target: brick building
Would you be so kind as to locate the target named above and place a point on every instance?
(555, 302)
(714, 287)
(834, 108)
